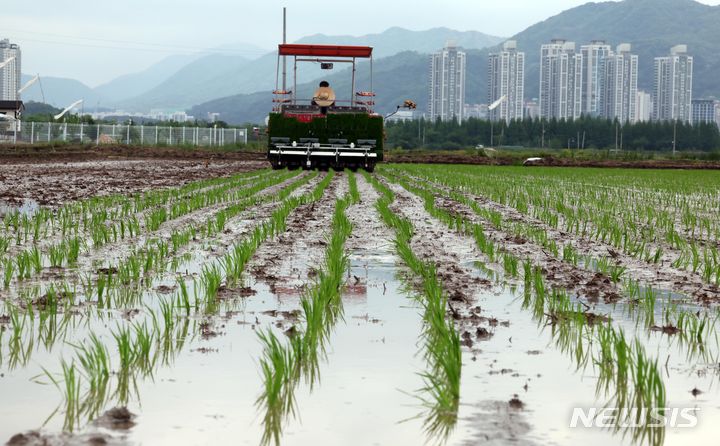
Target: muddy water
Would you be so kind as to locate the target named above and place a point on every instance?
(369, 381)
(25, 207)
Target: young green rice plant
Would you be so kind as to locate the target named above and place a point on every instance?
(4, 244)
(279, 374)
(282, 366)
(35, 259)
(8, 271)
(57, 255)
(510, 263)
(143, 344)
(616, 273)
(168, 314)
(73, 250)
(95, 362)
(155, 219)
(183, 295)
(126, 347)
(70, 387)
(211, 279)
(24, 265)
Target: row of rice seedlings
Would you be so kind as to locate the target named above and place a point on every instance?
(283, 365)
(139, 349)
(108, 278)
(624, 236)
(101, 233)
(642, 298)
(570, 322)
(141, 262)
(441, 393)
(115, 288)
(74, 217)
(98, 206)
(94, 223)
(646, 371)
(604, 265)
(128, 354)
(625, 372)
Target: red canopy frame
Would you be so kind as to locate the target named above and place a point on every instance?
(293, 49)
(319, 53)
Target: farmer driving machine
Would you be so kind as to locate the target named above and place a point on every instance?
(322, 130)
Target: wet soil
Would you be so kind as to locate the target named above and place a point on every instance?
(74, 152)
(286, 263)
(52, 183)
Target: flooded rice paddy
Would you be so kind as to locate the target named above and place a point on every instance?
(417, 305)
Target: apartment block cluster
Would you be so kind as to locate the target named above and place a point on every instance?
(594, 79)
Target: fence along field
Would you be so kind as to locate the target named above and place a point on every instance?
(142, 135)
(439, 304)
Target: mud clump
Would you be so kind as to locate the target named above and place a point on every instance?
(35, 438)
(118, 418)
(666, 329)
(515, 403)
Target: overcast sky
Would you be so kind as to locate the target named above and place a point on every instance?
(96, 41)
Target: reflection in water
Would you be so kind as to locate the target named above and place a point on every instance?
(284, 365)
(627, 377)
(26, 207)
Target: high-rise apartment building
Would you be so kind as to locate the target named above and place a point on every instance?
(594, 58)
(672, 93)
(703, 111)
(619, 89)
(561, 80)
(447, 84)
(10, 73)
(506, 78)
(644, 106)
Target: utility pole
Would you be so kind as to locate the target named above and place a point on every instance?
(616, 136)
(542, 143)
(491, 131)
(674, 136)
(284, 61)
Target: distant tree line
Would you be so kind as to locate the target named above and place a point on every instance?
(586, 132)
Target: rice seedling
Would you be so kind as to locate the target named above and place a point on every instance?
(210, 280)
(57, 255)
(282, 366)
(441, 393)
(8, 271)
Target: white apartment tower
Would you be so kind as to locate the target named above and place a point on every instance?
(10, 73)
(672, 93)
(594, 58)
(620, 85)
(447, 84)
(561, 80)
(506, 77)
(644, 106)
